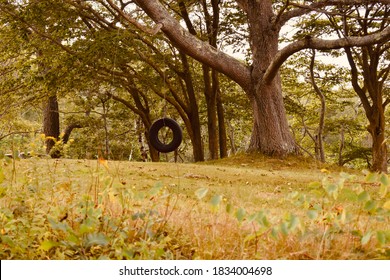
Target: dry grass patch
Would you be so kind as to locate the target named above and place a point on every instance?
(245, 207)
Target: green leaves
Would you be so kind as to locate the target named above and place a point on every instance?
(383, 237)
(97, 238)
(386, 205)
(363, 196)
(46, 245)
(156, 189)
(201, 193)
(240, 214)
(215, 201)
(366, 238)
(385, 183)
(312, 214)
(333, 188)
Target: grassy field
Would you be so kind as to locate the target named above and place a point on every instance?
(244, 207)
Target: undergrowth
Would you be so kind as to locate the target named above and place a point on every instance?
(58, 212)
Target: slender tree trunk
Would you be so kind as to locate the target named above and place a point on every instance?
(196, 138)
(51, 125)
(212, 84)
(211, 100)
(232, 138)
(319, 143)
(105, 106)
(193, 127)
(223, 150)
(154, 154)
(342, 145)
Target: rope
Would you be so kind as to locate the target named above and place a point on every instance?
(165, 89)
(115, 60)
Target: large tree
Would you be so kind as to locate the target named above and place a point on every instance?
(261, 80)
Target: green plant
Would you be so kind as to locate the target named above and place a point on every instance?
(79, 209)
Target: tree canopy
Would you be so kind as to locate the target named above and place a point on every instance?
(167, 57)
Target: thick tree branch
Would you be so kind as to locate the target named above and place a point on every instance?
(68, 130)
(321, 44)
(355, 82)
(302, 9)
(194, 47)
(387, 102)
(122, 13)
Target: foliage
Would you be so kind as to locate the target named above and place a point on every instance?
(345, 136)
(340, 218)
(85, 56)
(103, 220)
(57, 209)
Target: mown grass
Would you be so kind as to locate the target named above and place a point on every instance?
(244, 207)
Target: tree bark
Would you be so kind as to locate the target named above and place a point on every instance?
(271, 134)
(223, 150)
(192, 114)
(211, 102)
(68, 130)
(212, 82)
(376, 128)
(319, 143)
(371, 96)
(51, 125)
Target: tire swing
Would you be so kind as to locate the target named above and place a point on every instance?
(154, 135)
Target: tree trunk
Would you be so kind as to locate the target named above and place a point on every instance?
(233, 149)
(51, 125)
(319, 143)
(371, 96)
(154, 154)
(105, 106)
(192, 113)
(223, 150)
(379, 147)
(342, 145)
(271, 134)
(212, 83)
(196, 139)
(211, 101)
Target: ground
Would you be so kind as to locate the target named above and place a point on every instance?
(243, 207)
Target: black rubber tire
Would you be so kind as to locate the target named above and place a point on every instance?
(177, 135)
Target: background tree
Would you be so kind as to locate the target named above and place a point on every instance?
(369, 65)
(344, 138)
